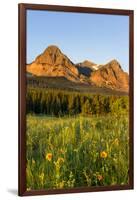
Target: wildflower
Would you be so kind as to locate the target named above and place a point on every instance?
(59, 161)
(61, 184)
(103, 154)
(58, 164)
(114, 159)
(33, 161)
(116, 142)
(99, 177)
(41, 177)
(62, 151)
(49, 156)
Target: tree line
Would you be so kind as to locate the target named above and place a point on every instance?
(60, 103)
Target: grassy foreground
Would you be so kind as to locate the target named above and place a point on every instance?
(76, 151)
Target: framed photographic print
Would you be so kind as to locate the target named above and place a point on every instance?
(75, 99)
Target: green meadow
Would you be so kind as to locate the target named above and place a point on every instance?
(76, 139)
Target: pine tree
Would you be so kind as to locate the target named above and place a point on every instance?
(86, 108)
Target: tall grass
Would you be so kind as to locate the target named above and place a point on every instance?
(76, 151)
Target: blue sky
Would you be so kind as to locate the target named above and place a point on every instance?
(96, 37)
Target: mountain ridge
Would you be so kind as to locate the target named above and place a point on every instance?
(53, 63)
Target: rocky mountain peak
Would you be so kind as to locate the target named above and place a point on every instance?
(111, 75)
(52, 56)
(114, 64)
(52, 62)
(52, 51)
(88, 63)
(52, 48)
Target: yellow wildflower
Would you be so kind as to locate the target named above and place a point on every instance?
(99, 177)
(49, 156)
(61, 184)
(103, 154)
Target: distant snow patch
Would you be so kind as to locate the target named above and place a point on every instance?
(95, 67)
